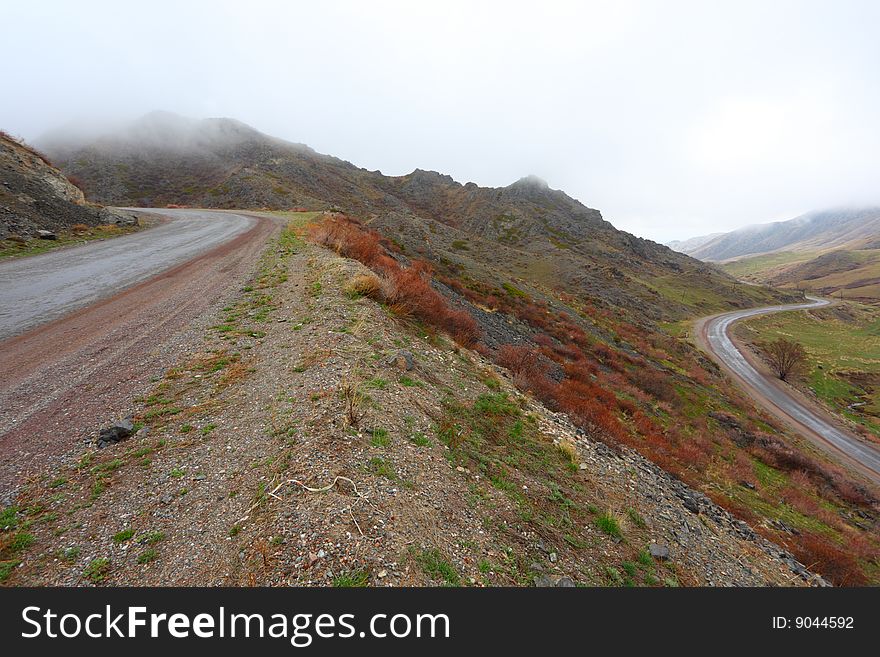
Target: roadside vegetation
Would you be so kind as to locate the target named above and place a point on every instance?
(786, 357)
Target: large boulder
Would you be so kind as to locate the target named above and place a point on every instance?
(116, 432)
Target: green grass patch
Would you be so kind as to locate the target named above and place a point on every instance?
(97, 570)
(353, 579)
(124, 535)
(435, 566)
(608, 524)
(380, 438)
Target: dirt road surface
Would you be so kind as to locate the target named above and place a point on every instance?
(35, 290)
(71, 371)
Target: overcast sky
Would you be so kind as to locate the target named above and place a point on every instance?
(673, 118)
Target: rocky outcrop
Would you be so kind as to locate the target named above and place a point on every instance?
(37, 200)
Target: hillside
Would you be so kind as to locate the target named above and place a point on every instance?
(526, 229)
(313, 439)
(35, 196)
(815, 231)
(586, 322)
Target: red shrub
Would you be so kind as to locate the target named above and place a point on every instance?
(819, 554)
(581, 370)
(655, 383)
(519, 359)
(800, 500)
(588, 404)
(407, 290)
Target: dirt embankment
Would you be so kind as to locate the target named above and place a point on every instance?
(313, 439)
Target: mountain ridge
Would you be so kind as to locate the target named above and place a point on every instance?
(818, 230)
(236, 166)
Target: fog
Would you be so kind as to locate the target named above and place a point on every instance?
(674, 118)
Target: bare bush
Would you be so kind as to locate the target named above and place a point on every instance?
(786, 357)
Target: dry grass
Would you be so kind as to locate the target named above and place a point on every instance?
(364, 285)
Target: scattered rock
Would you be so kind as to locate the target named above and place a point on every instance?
(691, 504)
(546, 581)
(115, 433)
(658, 551)
(121, 218)
(46, 235)
(402, 360)
(553, 557)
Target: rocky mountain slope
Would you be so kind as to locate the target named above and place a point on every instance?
(589, 321)
(35, 196)
(314, 439)
(163, 159)
(816, 231)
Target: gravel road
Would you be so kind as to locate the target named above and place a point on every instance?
(64, 378)
(41, 288)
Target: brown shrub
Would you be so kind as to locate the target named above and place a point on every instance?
(800, 500)
(519, 359)
(655, 383)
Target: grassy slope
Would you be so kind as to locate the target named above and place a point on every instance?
(843, 345)
(657, 390)
(757, 267)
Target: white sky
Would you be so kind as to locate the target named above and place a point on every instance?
(673, 118)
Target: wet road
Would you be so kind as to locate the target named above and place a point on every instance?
(815, 425)
(41, 288)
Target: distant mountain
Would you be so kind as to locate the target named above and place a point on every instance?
(526, 229)
(815, 231)
(685, 246)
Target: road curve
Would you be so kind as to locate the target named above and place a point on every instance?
(66, 376)
(41, 288)
(713, 335)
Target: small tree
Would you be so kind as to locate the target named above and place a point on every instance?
(785, 356)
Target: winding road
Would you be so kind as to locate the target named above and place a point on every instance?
(83, 330)
(40, 288)
(713, 336)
